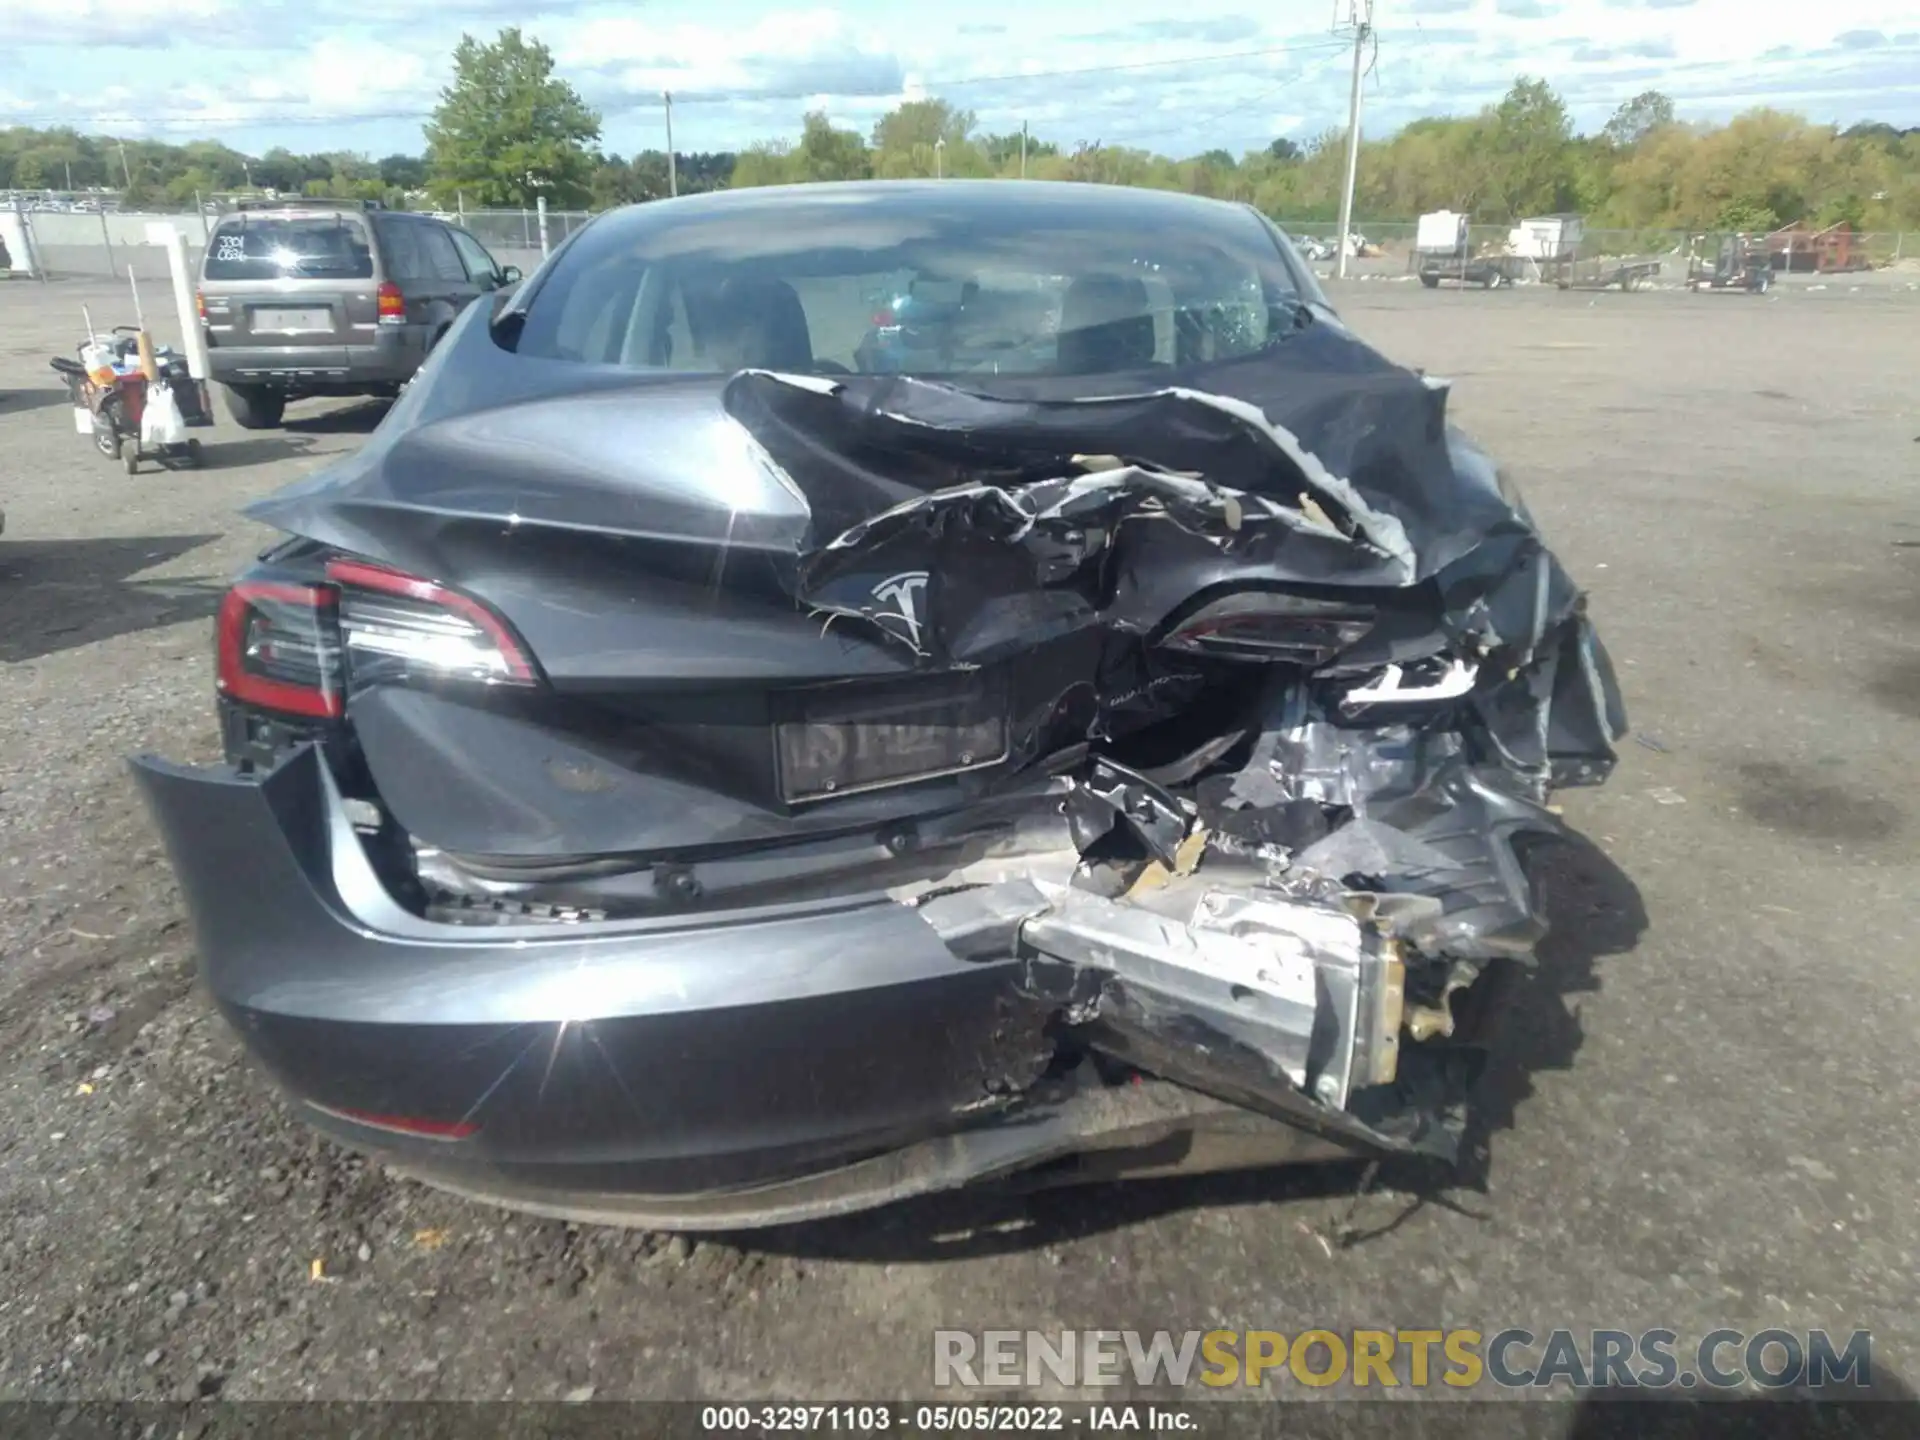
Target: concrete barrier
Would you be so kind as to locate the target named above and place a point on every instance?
(80, 246)
(75, 246)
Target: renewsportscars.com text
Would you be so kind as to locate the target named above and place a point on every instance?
(1511, 1359)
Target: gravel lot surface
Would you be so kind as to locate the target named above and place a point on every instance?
(1704, 1117)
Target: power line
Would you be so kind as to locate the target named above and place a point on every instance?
(956, 84)
(1298, 77)
(207, 121)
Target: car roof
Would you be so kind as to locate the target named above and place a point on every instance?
(1005, 201)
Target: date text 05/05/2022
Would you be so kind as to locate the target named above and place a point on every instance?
(869, 1419)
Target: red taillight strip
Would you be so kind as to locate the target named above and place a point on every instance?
(414, 1125)
(231, 674)
(368, 576)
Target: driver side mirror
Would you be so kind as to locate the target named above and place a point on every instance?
(509, 274)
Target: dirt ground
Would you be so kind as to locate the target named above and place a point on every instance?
(1704, 1116)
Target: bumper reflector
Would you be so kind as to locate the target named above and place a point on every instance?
(417, 1126)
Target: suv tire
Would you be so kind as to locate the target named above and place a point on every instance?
(253, 407)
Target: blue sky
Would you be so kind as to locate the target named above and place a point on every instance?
(348, 74)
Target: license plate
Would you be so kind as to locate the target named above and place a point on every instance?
(844, 740)
(83, 419)
(292, 322)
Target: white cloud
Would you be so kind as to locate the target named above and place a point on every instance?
(263, 74)
(102, 22)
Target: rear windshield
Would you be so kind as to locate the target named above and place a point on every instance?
(958, 288)
(278, 247)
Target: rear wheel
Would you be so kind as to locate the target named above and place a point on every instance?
(1432, 282)
(254, 408)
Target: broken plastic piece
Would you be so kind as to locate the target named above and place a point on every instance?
(1387, 689)
(1149, 811)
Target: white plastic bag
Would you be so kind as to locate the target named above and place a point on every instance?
(161, 422)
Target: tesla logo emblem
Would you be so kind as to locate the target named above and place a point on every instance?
(900, 597)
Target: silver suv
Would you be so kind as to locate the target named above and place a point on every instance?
(321, 297)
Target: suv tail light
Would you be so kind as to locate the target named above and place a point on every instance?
(393, 305)
(200, 304)
(292, 648)
(279, 648)
(1267, 625)
(396, 624)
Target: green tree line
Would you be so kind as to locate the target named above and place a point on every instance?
(1520, 157)
(508, 130)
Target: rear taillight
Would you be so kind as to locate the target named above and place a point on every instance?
(1266, 625)
(200, 304)
(884, 319)
(296, 648)
(396, 625)
(279, 648)
(393, 305)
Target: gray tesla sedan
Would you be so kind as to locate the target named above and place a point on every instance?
(703, 765)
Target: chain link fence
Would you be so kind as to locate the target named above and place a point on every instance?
(94, 245)
(514, 236)
(1387, 249)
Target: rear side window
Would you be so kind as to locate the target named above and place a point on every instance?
(402, 248)
(443, 261)
(280, 247)
(480, 265)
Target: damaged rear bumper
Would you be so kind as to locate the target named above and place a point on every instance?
(755, 1066)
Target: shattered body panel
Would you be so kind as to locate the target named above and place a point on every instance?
(1188, 721)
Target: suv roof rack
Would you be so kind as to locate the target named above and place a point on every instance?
(298, 202)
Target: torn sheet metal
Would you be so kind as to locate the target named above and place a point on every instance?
(1032, 539)
(1309, 991)
(1263, 995)
(1292, 1007)
(1417, 815)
